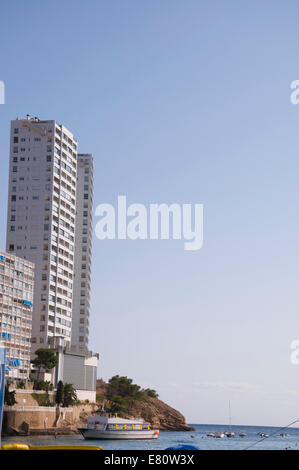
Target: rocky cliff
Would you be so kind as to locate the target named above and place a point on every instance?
(154, 411)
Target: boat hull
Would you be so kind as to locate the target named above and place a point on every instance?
(97, 434)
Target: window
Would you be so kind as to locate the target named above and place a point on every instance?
(15, 150)
(16, 131)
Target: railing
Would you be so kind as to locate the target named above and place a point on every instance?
(34, 408)
(29, 392)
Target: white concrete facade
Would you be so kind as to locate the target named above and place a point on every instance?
(83, 251)
(89, 395)
(41, 219)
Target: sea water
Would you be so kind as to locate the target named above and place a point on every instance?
(197, 438)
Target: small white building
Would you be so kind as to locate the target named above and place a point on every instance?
(78, 368)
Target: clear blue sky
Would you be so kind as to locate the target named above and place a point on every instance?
(187, 102)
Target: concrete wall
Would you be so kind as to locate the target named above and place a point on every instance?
(86, 395)
(43, 418)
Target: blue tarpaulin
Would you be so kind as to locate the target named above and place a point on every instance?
(183, 447)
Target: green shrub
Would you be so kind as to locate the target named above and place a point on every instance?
(42, 399)
(20, 384)
(9, 397)
(121, 392)
(43, 385)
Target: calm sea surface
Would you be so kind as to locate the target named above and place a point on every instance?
(167, 439)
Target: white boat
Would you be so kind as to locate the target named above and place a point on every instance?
(230, 433)
(219, 435)
(104, 426)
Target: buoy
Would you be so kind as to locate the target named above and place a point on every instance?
(15, 447)
(31, 447)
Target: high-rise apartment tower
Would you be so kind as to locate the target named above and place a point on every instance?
(41, 220)
(83, 237)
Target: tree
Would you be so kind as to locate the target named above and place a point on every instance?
(122, 392)
(150, 393)
(123, 387)
(9, 397)
(45, 358)
(20, 384)
(69, 395)
(118, 404)
(59, 393)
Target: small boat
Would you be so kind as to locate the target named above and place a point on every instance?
(229, 433)
(105, 426)
(262, 434)
(219, 435)
(283, 435)
(211, 434)
(242, 434)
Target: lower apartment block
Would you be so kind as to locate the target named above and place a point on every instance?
(16, 305)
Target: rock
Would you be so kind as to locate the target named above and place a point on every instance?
(10, 431)
(24, 428)
(159, 415)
